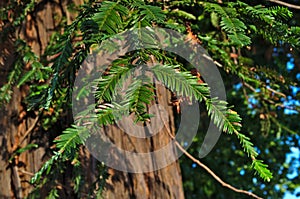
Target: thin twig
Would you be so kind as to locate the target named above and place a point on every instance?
(282, 126)
(285, 4)
(265, 99)
(17, 181)
(25, 172)
(276, 92)
(249, 86)
(235, 61)
(245, 93)
(206, 168)
(29, 130)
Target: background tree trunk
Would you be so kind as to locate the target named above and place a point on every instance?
(163, 183)
(16, 122)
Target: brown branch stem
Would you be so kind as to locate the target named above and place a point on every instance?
(206, 168)
(29, 130)
(25, 172)
(285, 4)
(265, 99)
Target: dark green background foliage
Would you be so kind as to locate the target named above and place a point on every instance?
(238, 35)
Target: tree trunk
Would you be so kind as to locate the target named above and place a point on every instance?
(163, 183)
(19, 127)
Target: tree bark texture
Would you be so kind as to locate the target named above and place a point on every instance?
(16, 123)
(163, 183)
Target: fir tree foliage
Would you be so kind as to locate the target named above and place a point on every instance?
(238, 22)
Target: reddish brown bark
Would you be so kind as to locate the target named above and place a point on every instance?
(15, 122)
(163, 183)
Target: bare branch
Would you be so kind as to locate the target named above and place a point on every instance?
(206, 168)
(285, 4)
(265, 99)
(25, 172)
(276, 92)
(29, 130)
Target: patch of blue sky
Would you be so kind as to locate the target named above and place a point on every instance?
(290, 65)
(275, 52)
(298, 76)
(267, 151)
(290, 112)
(291, 158)
(242, 172)
(291, 103)
(254, 180)
(237, 86)
(252, 101)
(295, 90)
(295, 154)
(289, 195)
(257, 150)
(290, 141)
